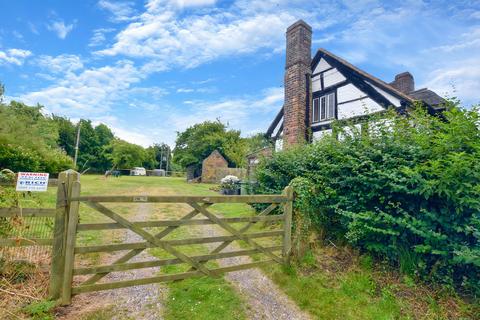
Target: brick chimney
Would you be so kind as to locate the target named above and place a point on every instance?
(404, 82)
(297, 75)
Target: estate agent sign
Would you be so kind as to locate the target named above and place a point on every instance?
(32, 181)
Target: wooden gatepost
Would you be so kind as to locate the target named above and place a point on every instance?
(67, 226)
(66, 214)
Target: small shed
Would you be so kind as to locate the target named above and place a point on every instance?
(211, 164)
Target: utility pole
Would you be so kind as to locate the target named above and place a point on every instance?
(168, 156)
(161, 157)
(76, 145)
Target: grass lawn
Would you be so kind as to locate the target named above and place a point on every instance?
(329, 283)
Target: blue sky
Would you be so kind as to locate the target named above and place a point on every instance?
(151, 68)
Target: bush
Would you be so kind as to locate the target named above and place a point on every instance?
(404, 188)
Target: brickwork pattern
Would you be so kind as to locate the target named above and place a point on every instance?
(210, 165)
(297, 70)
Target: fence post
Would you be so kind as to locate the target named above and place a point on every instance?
(287, 225)
(59, 234)
(71, 233)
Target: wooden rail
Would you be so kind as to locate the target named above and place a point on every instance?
(67, 227)
(185, 199)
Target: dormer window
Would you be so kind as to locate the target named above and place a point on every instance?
(324, 108)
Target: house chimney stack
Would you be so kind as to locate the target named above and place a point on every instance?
(404, 82)
(297, 82)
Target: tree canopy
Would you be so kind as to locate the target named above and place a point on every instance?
(33, 141)
(198, 141)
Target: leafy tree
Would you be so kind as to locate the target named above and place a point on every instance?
(257, 141)
(66, 134)
(127, 155)
(28, 140)
(197, 142)
(104, 137)
(162, 153)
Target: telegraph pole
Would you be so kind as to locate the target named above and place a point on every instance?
(76, 145)
(161, 157)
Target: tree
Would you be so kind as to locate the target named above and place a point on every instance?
(257, 141)
(126, 155)
(66, 134)
(197, 142)
(163, 154)
(28, 140)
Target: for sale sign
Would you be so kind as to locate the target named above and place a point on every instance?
(32, 181)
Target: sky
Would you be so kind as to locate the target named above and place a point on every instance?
(149, 69)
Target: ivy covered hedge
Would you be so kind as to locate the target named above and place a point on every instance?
(404, 188)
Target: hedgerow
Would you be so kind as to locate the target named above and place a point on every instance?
(404, 188)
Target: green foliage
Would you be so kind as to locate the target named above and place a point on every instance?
(129, 155)
(32, 141)
(407, 188)
(197, 142)
(28, 140)
(162, 156)
(40, 310)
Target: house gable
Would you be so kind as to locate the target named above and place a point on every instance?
(337, 90)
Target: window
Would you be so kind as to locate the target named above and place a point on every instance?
(324, 108)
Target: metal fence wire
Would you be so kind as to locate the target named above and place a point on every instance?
(26, 228)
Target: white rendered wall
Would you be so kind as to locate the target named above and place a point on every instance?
(322, 65)
(279, 145)
(316, 85)
(332, 77)
(320, 134)
(394, 101)
(349, 92)
(358, 108)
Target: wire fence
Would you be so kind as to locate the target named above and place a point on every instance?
(21, 229)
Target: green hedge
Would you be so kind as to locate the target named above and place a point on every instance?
(405, 188)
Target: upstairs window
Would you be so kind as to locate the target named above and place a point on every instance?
(324, 108)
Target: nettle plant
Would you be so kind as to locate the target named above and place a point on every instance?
(405, 188)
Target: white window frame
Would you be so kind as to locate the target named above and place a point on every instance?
(324, 108)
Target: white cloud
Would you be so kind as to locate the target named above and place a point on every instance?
(92, 92)
(167, 38)
(192, 3)
(248, 113)
(14, 56)
(60, 64)
(459, 79)
(121, 10)
(60, 28)
(98, 37)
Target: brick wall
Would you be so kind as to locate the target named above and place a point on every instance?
(297, 70)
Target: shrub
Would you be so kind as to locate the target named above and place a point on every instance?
(405, 187)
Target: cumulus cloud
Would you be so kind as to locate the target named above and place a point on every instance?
(245, 113)
(99, 37)
(60, 28)
(60, 64)
(120, 11)
(14, 56)
(91, 92)
(166, 38)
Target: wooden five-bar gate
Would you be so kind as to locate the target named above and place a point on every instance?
(67, 227)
